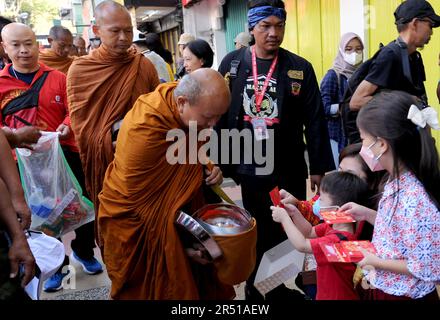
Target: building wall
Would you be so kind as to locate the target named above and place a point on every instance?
(235, 21)
(313, 31)
(205, 20)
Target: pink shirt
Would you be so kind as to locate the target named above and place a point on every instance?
(407, 227)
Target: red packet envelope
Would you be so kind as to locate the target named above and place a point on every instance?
(331, 215)
(346, 251)
(352, 249)
(276, 197)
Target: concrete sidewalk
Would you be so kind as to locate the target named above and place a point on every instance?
(81, 286)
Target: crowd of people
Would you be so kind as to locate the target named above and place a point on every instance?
(115, 103)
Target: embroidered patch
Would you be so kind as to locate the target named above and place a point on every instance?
(296, 88)
(295, 74)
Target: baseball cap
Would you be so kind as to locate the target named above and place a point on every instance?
(138, 36)
(411, 9)
(185, 38)
(243, 38)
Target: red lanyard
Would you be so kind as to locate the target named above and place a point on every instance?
(260, 95)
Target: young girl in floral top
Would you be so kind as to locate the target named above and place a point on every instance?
(395, 132)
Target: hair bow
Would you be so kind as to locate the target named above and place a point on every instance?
(421, 118)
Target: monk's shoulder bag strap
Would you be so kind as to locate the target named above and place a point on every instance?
(22, 110)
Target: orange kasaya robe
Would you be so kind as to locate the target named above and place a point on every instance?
(51, 59)
(140, 201)
(101, 89)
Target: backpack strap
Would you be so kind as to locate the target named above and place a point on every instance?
(27, 99)
(403, 53)
(234, 68)
(233, 71)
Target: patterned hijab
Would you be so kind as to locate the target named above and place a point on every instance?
(340, 65)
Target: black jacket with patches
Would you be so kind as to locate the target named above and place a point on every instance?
(300, 114)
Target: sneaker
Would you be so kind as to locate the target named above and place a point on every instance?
(91, 266)
(55, 282)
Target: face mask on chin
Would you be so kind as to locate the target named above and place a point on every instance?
(353, 58)
(370, 159)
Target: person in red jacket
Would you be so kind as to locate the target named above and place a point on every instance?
(50, 114)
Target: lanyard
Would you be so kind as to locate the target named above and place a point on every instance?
(260, 95)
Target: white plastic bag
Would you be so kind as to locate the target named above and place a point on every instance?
(51, 190)
(49, 256)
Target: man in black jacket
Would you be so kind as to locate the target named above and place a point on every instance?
(285, 105)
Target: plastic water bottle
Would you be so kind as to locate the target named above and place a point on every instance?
(35, 203)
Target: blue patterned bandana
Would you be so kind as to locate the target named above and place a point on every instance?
(257, 14)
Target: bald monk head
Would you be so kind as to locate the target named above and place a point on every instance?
(60, 40)
(80, 45)
(113, 26)
(20, 43)
(202, 96)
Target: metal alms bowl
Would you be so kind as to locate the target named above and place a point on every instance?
(223, 219)
(191, 232)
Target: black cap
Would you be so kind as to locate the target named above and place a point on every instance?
(410, 9)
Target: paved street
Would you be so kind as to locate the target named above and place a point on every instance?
(97, 287)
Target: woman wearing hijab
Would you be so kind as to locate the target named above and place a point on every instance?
(333, 85)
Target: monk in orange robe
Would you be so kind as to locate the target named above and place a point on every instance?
(143, 193)
(61, 43)
(102, 87)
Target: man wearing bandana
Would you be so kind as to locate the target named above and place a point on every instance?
(275, 96)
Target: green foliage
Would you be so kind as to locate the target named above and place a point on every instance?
(41, 10)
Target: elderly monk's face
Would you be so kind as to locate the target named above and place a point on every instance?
(115, 31)
(63, 45)
(21, 46)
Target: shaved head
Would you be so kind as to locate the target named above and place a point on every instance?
(80, 45)
(202, 96)
(57, 32)
(20, 43)
(106, 7)
(61, 41)
(17, 30)
(114, 27)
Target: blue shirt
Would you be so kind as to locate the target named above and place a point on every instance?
(332, 92)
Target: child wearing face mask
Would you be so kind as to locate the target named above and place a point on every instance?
(335, 82)
(334, 280)
(395, 133)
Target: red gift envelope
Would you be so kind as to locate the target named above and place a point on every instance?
(346, 251)
(331, 215)
(276, 198)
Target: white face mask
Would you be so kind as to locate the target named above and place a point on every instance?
(353, 58)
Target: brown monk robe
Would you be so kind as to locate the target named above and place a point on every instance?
(53, 60)
(101, 88)
(61, 43)
(141, 197)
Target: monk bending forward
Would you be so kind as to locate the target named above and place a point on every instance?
(143, 193)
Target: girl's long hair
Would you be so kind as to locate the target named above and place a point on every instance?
(385, 116)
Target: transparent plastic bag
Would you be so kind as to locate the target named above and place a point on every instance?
(52, 192)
